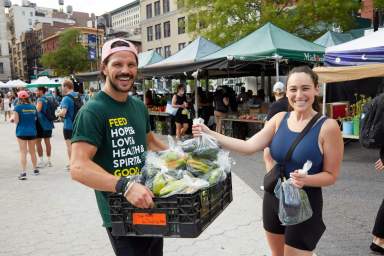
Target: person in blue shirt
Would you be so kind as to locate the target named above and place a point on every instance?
(68, 111)
(24, 116)
(44, 126)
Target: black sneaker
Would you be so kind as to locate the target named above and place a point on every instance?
(22, 176)
(378, 249)
(36, 172)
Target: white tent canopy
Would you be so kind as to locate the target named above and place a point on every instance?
(14, 84)
(365, 50)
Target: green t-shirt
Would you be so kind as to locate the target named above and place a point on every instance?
(119, 131)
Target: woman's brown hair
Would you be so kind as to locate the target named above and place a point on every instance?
(315, 79)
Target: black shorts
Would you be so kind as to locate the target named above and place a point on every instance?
(67, 134)
(136, 246)
(26, 137)
(180, 118)
(41, 133)
(303, 236)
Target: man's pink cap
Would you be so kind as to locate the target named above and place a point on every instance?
(108, 51)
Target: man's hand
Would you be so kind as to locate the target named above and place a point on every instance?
(140, 196)
(379, 165)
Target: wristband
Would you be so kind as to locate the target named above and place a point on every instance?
(121, 185)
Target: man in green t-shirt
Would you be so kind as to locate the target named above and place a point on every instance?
(111, 134)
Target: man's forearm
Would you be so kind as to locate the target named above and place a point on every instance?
(93, 176)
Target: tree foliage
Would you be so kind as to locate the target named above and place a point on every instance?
(70, 57)
(379, 4)
(225, 21)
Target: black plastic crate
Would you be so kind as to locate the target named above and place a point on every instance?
(176, 216)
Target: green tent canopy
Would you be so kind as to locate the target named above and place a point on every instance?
(43, 81)
(331, 38)
(270, 42)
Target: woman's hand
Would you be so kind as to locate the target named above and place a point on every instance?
(379, 165)
(199, 129)
(298, 180)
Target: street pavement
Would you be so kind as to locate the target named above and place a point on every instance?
(50, 214)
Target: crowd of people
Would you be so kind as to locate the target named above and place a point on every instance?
(114, 112)
(34, 113)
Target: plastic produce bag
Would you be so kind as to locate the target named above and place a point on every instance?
(294, 206)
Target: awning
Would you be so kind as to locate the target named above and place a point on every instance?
(339, 74)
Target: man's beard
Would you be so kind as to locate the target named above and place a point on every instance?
(116, 88)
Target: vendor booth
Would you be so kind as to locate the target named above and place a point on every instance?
(354, 74)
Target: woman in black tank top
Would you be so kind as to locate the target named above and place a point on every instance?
(179, 101)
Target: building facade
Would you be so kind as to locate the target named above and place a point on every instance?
(127, 19)
(90, 38)
(5, 68)
(23, 18)
(163, 26)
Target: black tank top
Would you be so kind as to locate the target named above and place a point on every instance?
(180, 99)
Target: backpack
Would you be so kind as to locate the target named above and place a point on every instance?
(372, 123)
(77, 104)
(52, 105)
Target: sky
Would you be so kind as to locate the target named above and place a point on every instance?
(97, 7)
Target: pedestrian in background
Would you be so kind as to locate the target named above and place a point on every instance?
(322, 145)
(67, 110)
(25, 116)
(96, 163)
(7, 103)
(44, 127)
(179, 101)
(377, 244)
(280, 105)
(221, 106)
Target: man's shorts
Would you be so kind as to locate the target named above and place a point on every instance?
(42, 133)
(67, 134)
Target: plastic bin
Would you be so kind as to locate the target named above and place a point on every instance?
(185, 215)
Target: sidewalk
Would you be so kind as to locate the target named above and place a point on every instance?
(52, 215)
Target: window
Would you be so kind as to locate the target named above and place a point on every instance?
(1, 68)
(157, 8)
(181, 25)
(158, 31)
(31, 14)
(167, 29)
(181, 46)
(149, 11)
(165, 6)
(30, 22)
(167, 51)
(158, 50)
(149, 33)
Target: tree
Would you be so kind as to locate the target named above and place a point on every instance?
(225, 21)
(379, 4)
(70, 57)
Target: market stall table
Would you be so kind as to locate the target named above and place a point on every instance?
(162, 122)
(227, 124)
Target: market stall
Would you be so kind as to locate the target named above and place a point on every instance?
(356, 70)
